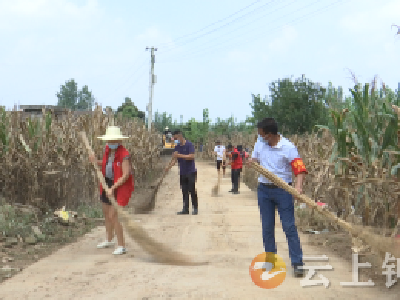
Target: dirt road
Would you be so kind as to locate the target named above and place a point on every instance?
(227, 232)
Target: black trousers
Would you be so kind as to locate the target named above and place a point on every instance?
(188, 186)
(235, 177)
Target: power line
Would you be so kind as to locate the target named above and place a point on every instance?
(201, 51)
(234, 31)
(120, 86)
(186, 35)
(249, 23)
(222, 26)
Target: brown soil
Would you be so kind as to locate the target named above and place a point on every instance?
(227, 233)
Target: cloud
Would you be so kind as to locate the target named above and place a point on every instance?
(370, 18)
(42, 11)
(238, 56)
(154, 36)
(284, 41)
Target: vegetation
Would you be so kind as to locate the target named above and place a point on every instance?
(45, 165)
(70, 97)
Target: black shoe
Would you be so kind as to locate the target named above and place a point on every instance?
(195, 212)
(231, 191)
(298, 272)
(183, 212)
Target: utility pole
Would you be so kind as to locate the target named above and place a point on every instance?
(151, 87)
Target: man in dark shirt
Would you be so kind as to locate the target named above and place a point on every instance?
(184, 154)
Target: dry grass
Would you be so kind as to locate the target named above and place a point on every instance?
(44, 165)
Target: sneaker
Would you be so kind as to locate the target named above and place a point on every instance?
(183, 212)
(105, 244)
(120, 250)
(298, 272)
(195, 212)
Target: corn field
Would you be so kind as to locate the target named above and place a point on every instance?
(44, 164)
(352, 164)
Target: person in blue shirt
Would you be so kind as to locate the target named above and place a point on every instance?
(184, 154)
(278, 155)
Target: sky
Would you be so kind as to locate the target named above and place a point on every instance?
(210, 53)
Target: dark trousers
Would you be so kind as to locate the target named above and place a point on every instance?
(188, 186)
(235, 177)
(268, 198)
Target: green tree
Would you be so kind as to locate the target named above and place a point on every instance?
(129, 110)
(296, 105)
(85, 99)
(260, 109)
(163, 120)
(70, 97)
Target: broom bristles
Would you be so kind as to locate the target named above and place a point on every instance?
(378, 243)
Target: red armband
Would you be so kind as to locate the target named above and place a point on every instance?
(298, 166)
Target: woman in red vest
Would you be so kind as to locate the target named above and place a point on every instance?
(116, 168)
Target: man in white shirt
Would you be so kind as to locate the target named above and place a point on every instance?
(279, 156)
(219, 151)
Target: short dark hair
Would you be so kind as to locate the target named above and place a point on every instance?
(218, 142)
(229, 146)
(268, 125)
(177, 132)
(239, 148)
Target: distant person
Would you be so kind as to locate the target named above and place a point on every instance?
(219, 152)
(279, 156)
(236, 165)
(184, 154)
(244, 156)
(168, 135)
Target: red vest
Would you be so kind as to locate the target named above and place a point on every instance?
(237, 163)
(123, 192)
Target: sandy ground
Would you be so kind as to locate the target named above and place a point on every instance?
(227, 232)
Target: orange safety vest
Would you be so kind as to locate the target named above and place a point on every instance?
(125, 191)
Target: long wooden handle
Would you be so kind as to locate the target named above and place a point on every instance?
(381, 244)
(303, 198)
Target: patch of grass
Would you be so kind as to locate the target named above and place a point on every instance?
(90, 210)
(15, 222)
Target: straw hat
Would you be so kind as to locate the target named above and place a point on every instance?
(112, 133)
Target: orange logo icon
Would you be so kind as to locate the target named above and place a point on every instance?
(268, 270)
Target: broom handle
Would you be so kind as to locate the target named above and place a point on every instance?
(99, 173)
(303, 198)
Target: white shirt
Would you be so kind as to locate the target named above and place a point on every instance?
(220, 151)
(276, 159)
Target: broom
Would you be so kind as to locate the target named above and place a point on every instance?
(378, 243)
(215, 190)
(159, 251)
(150, 205)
